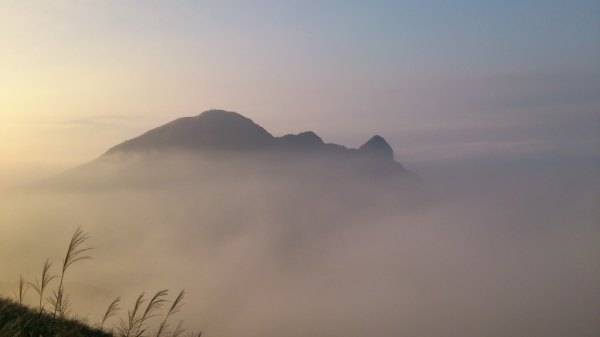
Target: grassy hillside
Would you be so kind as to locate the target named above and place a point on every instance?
(20, 320)
(59, 319)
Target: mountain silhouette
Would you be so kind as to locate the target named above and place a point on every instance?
(219, 130)
(184, 150)
(377, 147)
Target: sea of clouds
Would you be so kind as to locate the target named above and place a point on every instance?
(296, 247)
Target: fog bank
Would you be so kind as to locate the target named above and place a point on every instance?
(300, 247)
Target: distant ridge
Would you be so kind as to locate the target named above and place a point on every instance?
(220, 130)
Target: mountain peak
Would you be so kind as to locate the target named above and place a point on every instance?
(302, 141)
(377, 146)
(216, 114)
(210, 130)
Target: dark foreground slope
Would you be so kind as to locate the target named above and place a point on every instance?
(21, 320)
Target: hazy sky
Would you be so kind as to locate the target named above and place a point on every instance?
(436, 79)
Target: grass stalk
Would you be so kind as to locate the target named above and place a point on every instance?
(175, 307)
(112, 310)
(126, 328)
(23, 287)
(178, 330)
(74, 254)
(39, 287)
(155, 304)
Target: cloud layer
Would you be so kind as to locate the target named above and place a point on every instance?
(268, 249)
